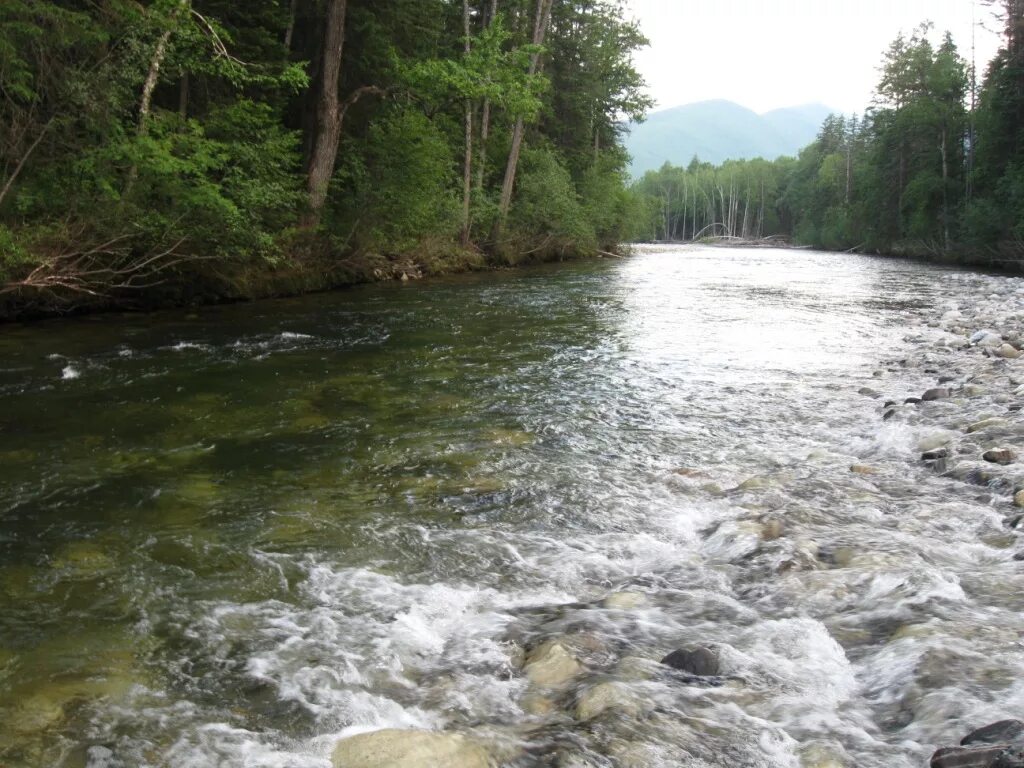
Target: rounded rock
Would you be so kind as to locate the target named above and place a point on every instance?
(702, 662)
(1002, 456)
(393, 748)
(551, 665)
(601, 698)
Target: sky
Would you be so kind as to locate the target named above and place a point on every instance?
(767, 54)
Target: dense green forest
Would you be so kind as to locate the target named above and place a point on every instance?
(934, 168)
(177, 149)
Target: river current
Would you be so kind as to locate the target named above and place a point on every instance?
(233, 536)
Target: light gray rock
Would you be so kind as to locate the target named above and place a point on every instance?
(409, 749)
(551, 665)
(625, 601)
(601, 698)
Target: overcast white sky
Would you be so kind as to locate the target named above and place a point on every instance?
(766, 54)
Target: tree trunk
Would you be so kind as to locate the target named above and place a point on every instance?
(153, 76)
(328, 115)
(183, 88)
(289, 32)
(539, 30)
(485, 117)
(467, 176)
(945, 191)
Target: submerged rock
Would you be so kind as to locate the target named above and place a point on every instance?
(864, 469)
(409, 749)
(933, 442)
(551, 665)
(1003, 732)
(625, 601)
(1002, 456)
(966, 757)
(603, 697)
(702, 662)
(984, 424)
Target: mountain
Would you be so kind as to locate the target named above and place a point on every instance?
(717, 131)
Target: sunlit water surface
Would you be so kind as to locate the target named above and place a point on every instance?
(230, 537)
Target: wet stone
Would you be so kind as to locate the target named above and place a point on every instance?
(1002, 456)
(551, 665)
(940, 453)
(702, 662)
(967, 757)
(605, 697)
(938, 393)
(1003, 732)
(984, 424)
(409, 749)
(864, 469)
(869, 392)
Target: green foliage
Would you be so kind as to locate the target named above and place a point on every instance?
(402, 183)
(893, 178)
(549, 208)
(186, 127)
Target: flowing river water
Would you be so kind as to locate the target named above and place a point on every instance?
(232, 537)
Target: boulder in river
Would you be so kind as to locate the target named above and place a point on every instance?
(933, 442)
(551, 665)
(409, 749)
(864, 469)
(702, 662)
(1002, 456)
(987, 339)
(1003, 732)
(999, 756)
(605, 697)
(984, 424)
(625, 601)
(938, 393)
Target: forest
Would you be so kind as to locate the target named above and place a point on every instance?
(180, 150)
(933, 169)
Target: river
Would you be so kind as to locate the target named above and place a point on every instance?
(232, 536)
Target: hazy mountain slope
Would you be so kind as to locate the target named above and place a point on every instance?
(717, 131)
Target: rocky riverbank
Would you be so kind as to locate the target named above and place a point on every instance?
(572, 669)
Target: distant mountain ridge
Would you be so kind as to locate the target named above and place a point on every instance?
(721, 130)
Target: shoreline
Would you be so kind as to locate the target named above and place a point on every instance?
(309, 277)
(298, 278)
